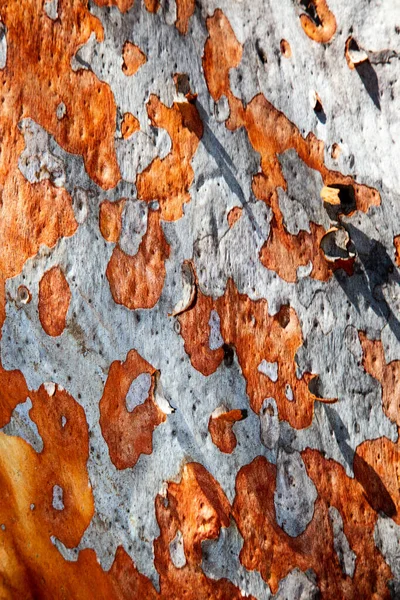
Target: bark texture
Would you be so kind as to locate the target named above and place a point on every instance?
(199, 299)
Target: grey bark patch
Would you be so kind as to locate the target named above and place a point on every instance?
(36, 162)
(346, 556)
(295, 493)
(51, 9)
(269, 369)
(134, 225)
(322, 309)
(58, 497)
(21, 425)
(215, 339)
(303, 186)
(298, 586)
(61, 111)
(221, 559)
(138, 391)
(294, 215)
(221, 109)
(269, 423)
(289, 392)
(353, 342)
(177, 551)
(387, 540)
(80, 204)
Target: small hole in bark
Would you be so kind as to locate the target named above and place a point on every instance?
(228, 355)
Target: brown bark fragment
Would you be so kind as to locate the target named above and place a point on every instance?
(129, 125)
(271, 133)
(256, 336)
(234, 215)
(220, 428)
(184, 10)
(133, 57)
(137, 281)
(274, 554)
(323, 28)
(285, 49)
(168, 180)
(54, 300)
(110, 219)
(128, 434)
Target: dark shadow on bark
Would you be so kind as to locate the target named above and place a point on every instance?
(373, 269)
(375, 491)
(226, 167)
(370, 81)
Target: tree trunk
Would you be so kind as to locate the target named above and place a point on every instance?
(199, 276)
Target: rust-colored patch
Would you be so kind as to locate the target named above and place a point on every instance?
(396, 242)
(234, 215)
(110, 219)
(274, 554)
(152, 5)
(335, 151)
(13, 391)
(129, 125)
(198, 508)
(220, 428)
(128, 434)
(30, 565)
(271, 133)
(184, 10)
(168, 180)
(133, 57)
(322, 28)
(222, 52)
(246, 325)
(286, 50)
(137, 281)
(47, 48)
(123, 5)
(54, 300)
(388, 375)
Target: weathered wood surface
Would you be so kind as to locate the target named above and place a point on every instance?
(199, 299)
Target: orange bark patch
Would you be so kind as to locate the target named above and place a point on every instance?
(222, 52)
(31, 566)
(198, 508)
(388, 375)
(274, 554)
(137, 281)
(13, 391)
(129, 125)
(323, 27)
(168, 180)
(54, 300)
(246, 325)
(133, 57)
(27, 480)
(286, 50)
(152, 5)
(128, 435)
(110, 219)
(220, 428)
(184, 10)
(37, 48)
(396, 241)
(123, 5)
(234, 215)
(271, 133)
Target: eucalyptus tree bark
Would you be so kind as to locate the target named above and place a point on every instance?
(199, 299)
